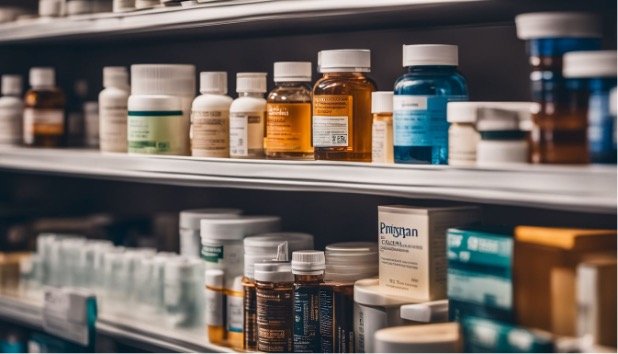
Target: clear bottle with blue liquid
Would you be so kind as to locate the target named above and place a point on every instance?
(420, 128)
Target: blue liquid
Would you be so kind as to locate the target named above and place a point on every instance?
(421, 133)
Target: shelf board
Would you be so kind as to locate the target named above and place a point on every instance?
(578, 188)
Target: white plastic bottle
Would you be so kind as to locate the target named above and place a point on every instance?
(124, 5)
(162, 128)
(113, 109)
(11, 110)
(247, 116)
(210, 117)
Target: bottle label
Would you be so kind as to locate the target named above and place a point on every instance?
(235, 318)
(343, 326)
(214, 307)
(331, 115)
(113, 128)
(288, 127)
(10, 124)
(210, 133)
(275, 320)
(326, 319)
(156, 132)
(367, 321)
(306, 319)
(382, 142)
(250, 318)
(246, 132)
(212, 253)
(42, 121)
(421, 120)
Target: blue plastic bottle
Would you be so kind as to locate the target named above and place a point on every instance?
(420, 128)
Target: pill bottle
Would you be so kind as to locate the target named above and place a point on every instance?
(11, 110)
(215, 306)
(430, 338)
(235, 320)
(147, 4)
(123, 5)
(44, 121)
(159, 108)
(346, 263)
(308, 269)
(558, 135)
(342, 120)
(420, 128)
(382, 131)
(190, 239)
(374, 310)
(275, 307)
(113, 109)
(210, 117)
(51, 8)
(288, 113)
(502, 138)
(592, 75)
(462, 134)
(91, 124)
(262, 248)
(247, 116)
(75, 113)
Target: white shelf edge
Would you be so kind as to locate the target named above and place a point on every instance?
(585, 188)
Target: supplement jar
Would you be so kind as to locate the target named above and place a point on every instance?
(190, 239)
(159, 108)
(420, 128)
(502, 138)
(431, 338)
(462, 134)
(558, 135)
(374, 310)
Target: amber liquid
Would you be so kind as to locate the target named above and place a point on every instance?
(288, 122)
(275, 317)
(216, 334)
(46, 135)
(358, 87)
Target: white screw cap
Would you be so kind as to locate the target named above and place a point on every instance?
(292, 71)
(308, 262)
(588, 64)
(251, 82)
(163, 79)
(11, 85)
(115, 76)
(558, 24)
(430, 54)
(214, 82)
(344, 60)
(42, 77)
(382, 102)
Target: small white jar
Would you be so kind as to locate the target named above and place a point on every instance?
(462, 134)
(190, 239)
(431, 338)
(503, 141)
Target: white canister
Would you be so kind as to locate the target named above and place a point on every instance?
(503, 138)
(190, 239)
(431, 338)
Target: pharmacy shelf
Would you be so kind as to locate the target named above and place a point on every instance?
(233, 17)
(585, 189)
(24, 311)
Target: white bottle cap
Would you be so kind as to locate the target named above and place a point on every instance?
(351, 261)
(214, 278)
(558, 25)
(426, 312)
(115, 76)
(42, 77)
(274, 272)
(430, 54)
(430, 338)
(468, 112)
(589, 64)
(368, 292)
(292, 71)
(382, 102)
(163, 79)
(262, 248)
(11, 85)
(251, 82)
(237, 229)
(214, 82)
(190, 219)
(308, 262)
(344, 60)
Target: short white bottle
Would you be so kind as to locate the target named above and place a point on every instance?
(210, 117)
(247, 116)
(113, 109)
(11, 110)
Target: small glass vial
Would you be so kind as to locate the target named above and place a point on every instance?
(75, 114)
(420, 130)
(11, 110)
(247, 117)
(235, 320)
(215, 306)
(308, 269)
(44, 121)
(210, 117)
(592, 75)
(288, 113)
(275, 307)
(342, 119)
(382, 132)
(113, 109)
(558, 135)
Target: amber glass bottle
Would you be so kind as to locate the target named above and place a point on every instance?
(215, 306)
(44, 122)
(288, 113)
(342, 119)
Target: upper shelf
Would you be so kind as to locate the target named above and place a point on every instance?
(585, 189)
(276, 16)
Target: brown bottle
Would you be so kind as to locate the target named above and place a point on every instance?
(44, 122)
(342, 119)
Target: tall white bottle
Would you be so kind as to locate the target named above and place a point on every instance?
(113, 109)
(11, 110)
(247, 117)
